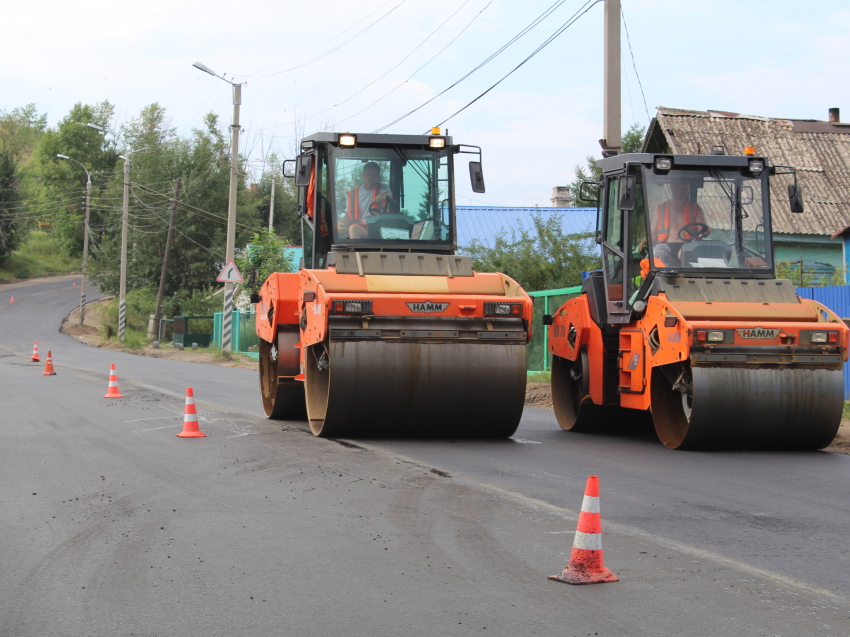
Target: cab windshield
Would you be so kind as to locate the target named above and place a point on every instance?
(391, 195)
(710, 218)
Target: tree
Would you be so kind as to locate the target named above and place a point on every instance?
(263, 256)
(632, 143)
(10, 231)
(544, 258)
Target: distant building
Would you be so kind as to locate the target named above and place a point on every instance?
(561, 197)
(819, 150)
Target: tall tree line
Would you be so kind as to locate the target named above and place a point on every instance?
(36, 187)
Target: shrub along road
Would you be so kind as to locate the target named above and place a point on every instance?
(112, 525)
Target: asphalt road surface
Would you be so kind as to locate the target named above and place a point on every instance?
(111, 525)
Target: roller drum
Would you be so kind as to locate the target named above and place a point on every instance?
(796, 408)
(372, 387)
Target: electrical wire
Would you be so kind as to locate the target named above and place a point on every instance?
(575, 17)
(648, 118)
(551, 9)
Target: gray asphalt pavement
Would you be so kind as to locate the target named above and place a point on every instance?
(113, 526)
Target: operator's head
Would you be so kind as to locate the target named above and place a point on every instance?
(371, 175)
(680, 188)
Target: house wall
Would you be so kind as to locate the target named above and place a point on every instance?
(793, 247)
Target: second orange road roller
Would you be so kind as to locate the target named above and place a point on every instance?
(384, 330)
(687, 319)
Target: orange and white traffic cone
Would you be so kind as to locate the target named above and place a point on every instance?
(190, 418)
(113, 391)
(586, 563)
(48, 367)
(73, 284)
(35, 358)
(13, 299)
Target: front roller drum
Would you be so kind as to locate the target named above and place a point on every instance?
(735, 408)
(379, 388)
(574, 409)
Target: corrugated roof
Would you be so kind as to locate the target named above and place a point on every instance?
(484, 224)
(819, 150)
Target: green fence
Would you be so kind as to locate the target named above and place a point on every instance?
(545, 302)
(192, 329)
(244, 337)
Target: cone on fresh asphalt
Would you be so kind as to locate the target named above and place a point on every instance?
(13, 299)
(113, 391)
(48, 367)
(35, 358)
(190, 418)
(73, 284)
(586, 564)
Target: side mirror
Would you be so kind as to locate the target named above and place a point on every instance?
(476, 176)
(627, 192)
(303, 169)
(795, 197)
(289, 169)
(594, 198)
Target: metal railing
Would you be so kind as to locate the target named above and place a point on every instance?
(545, 302)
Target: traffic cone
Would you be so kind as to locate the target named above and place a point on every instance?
(35, 358)
(13, 299)
(73, 284)
(113, 391)
(48, 367)
(190, 418)
(586, 563)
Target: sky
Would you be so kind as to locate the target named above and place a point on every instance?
(358, 66)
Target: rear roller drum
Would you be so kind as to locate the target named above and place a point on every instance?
(282, 400)
(734, 408)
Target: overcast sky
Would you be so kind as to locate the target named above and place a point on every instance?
(358, 66)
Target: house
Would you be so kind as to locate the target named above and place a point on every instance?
(819, 150)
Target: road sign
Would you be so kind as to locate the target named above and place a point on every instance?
(230, 274)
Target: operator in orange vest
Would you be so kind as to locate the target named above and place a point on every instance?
(671, 217)
(362, 202)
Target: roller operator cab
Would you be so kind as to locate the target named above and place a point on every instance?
(687, 319)
(384, 330)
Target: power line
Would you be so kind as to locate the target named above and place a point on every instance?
(489, 59)
(578, 14)
(648, 118)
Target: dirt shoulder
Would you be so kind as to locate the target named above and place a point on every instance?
(91, 334)
(540, 395)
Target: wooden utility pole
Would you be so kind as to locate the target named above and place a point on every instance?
(168, 242)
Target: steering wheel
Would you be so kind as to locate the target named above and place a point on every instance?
(693, 231)
(387, 206)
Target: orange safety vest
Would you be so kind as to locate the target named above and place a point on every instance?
(354, 202)
(663, 229)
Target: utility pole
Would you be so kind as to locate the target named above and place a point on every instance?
(168, 242)
(227, 318)
(85, 233)
(271, 207)
(611, 138)
(125, 220)
(226, 322)
(85, 250)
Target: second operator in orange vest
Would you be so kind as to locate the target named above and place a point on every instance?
(675, 222)
(363, 201)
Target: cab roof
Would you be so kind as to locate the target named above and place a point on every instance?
(372, 138)
(618, 162)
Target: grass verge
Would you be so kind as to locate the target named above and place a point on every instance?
(38, 256)
(539, 377)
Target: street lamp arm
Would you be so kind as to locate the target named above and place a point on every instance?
(88, 174)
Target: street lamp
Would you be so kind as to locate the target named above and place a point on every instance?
(125, 221)
(85, 235)
(231, 204)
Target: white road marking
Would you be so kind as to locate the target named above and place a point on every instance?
(157, 418)
(526, 442)
(155, 428)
